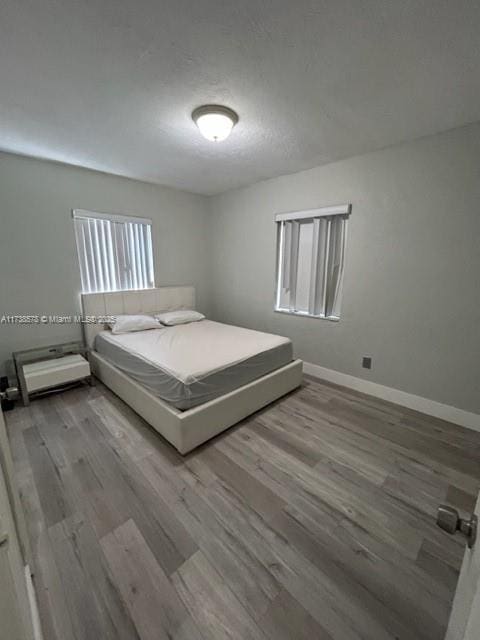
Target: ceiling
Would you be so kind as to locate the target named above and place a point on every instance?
(110, 84)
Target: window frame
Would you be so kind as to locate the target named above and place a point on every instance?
(112, 217)
(343, 210)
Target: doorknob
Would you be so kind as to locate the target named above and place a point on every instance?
(449, 520)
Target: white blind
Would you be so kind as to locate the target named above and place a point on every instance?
(115, 252)
(311, 255)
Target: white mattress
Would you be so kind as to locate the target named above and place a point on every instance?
(193, 363)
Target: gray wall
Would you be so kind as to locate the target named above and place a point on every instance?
(39, 271)
(412, 283)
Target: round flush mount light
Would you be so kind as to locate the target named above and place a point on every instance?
(214, 121)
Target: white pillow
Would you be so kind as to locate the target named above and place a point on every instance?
(182, 316)
(125, 324)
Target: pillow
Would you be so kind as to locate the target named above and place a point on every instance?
(125, 324)
(182, 316)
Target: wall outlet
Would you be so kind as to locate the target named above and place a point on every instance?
(366, 362)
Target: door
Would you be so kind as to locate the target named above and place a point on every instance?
(465, 616)
(15, 614)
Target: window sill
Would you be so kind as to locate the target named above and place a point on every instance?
(149, 288)
(304, 314)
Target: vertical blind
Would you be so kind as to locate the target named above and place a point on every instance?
(115, 252)
(311, 254)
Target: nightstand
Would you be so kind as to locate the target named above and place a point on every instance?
(46, 368)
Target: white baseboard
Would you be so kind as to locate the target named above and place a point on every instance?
(430, 407)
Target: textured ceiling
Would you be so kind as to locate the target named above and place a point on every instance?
(110, 84)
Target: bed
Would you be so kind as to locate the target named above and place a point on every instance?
(191, 381)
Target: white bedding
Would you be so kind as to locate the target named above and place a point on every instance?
(192, 363)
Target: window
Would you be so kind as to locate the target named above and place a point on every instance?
(310, 261)
(115, 252)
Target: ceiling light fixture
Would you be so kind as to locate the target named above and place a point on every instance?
(214, 121)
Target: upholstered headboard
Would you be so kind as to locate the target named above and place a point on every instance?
(131, 302)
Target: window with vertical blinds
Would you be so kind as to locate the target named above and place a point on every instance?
(310, 261)
(115, 252)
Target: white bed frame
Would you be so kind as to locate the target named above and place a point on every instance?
(185, 430)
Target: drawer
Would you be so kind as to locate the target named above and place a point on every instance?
(49, 373)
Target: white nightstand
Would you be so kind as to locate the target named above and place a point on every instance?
(45, 368)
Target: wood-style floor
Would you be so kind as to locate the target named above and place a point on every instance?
(313, 519)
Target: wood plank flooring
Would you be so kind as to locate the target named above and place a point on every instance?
(313, 519)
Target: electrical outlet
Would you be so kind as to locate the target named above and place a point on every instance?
(366, 362)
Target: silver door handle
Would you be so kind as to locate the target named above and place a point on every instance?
(449, 520)
(3, 538)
